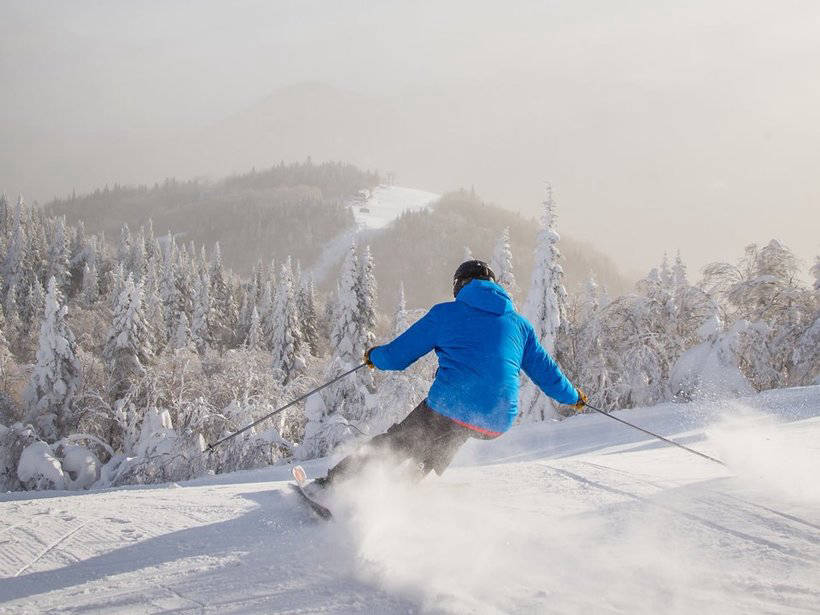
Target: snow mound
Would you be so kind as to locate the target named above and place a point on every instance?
(39, 468)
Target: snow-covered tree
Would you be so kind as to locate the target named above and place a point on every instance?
(34, 304)
(58, 263)
(806, 355)
(352, 332)
(286, 339)
(124, 248)
(401, 320)
(367, 296)
(309, 316)
(129, 345)
(55, 379)
(115, 283)
(154, 308)
(224, 303)
(201, 323)
(711, 369)
(137, 260)
(13, 322)
(349, 335)
(253, 341)
(544, 306)
(14, 266)
(90, 291)
(764, 290)
(182, 334)
(266, 316)
(502, 266)
(168, 286)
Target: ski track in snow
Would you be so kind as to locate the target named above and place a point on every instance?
(574, 517)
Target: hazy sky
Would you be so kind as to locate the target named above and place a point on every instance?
(662, 125)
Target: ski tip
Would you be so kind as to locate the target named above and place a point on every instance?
(299, 474)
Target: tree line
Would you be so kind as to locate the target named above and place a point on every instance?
(120, 360)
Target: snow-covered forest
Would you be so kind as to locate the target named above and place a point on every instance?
(122, 357)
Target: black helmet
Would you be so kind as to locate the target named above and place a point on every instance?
(471, 270)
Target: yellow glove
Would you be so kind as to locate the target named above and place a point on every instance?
(367, 360)
(582, 400)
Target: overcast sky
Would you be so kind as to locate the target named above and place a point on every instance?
(661, 125)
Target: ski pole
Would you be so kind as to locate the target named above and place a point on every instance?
(285, 407)
(654, 435)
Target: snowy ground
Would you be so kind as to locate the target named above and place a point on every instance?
(577, 517)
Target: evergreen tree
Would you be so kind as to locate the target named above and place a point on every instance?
(115, 284)
(202, 319)
(168, 287)
(129, 346)
(182, 333)
(502, 266)
(226, 316)
(36, 264)
(266, 316)
(186, 280)
(806, 355)
(243, 322)
(309, 316)
(286, 341)
(253, 341)
(35, 304)
(58, 263)
(544, 306)
(137, 260)
(13, 322)
(124, 248)
(55, 379)
(352, 333)
(14, 266)
(154, 308)
(400, 317)
(367, 296)
(90, 292)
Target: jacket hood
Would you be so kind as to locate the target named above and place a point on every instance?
(487, 296)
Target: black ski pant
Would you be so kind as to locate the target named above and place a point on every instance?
(426, 437)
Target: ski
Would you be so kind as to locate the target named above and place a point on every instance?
(301, 481)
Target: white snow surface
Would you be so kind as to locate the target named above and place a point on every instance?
(582, 516)
(386, 203)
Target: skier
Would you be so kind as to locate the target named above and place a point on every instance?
(482, 343)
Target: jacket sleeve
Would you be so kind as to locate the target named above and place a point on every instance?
(414, 343)
(544, 371)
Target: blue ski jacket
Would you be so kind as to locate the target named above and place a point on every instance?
(482, 344)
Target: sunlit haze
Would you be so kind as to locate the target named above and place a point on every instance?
(661, 125)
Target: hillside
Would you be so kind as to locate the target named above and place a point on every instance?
(422, 248)
(580, 516)
(312, 211)
(287, 210)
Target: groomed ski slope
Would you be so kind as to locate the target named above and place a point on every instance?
(386, 203)
(583, 516)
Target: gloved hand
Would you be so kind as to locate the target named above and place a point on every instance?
(582, 400)
(367, 360)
